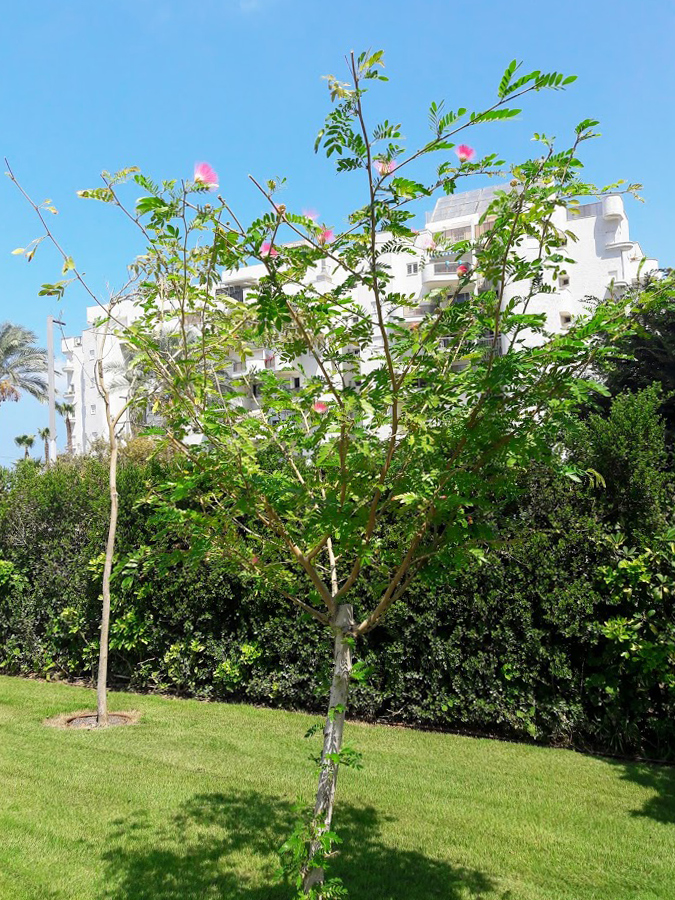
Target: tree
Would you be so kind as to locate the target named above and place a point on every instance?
(45, 435)
(113, 420)
(26, 441)
(647, 355)
(67, 410)
(627, 448)
(393, 457)
(22, 364)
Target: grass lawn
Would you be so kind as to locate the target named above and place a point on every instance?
(192, 801)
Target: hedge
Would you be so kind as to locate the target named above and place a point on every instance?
(515, 647)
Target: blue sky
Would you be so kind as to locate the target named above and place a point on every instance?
(163, 83)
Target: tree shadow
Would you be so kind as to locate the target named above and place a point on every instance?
(661, 780)
(223, 846)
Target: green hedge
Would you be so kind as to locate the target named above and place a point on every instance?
(515, 647)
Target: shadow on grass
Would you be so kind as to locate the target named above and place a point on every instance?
(661, 780)
(223, 846)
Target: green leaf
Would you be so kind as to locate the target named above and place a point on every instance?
(105, 195)
(506, 78)
(149, 204)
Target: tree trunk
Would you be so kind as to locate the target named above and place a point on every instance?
(46, 451)
(102, 678)
(332, 734)
(69, 436)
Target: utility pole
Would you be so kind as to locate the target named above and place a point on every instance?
(51, 386)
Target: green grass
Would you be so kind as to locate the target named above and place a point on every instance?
(192, 801)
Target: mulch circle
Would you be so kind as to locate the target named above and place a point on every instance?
(87, 720)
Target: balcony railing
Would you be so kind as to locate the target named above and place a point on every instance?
(584, 212)
(454, 235)
(482, 345)
(446, 267)
(422, 309)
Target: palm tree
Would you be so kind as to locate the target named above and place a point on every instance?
(67, 410)
(22, 364)
(45, 434)
(26, 441)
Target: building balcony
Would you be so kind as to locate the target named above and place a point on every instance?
(420, 310)
(617, 283)
(620, 245)
(442, 270)
(482, 347)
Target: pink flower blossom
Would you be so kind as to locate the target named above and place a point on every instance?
(268, 250)
(326, 236)
(462, 270)
(320, 407)
(465, 153)
(426, 241)
(255, 560)
(310, 214)
(384, 166)
(204, 174)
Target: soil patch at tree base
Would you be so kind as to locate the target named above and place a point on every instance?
(86, 720)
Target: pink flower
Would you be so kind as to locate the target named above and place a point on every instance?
(384, 166)
(320, 407)
(204, 174)
(465, 153)
(310, 214)
(268, 250)
(427, 242)
(462, 270)
(255, 560)
(326, 236)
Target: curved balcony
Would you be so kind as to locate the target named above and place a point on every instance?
(441, 269)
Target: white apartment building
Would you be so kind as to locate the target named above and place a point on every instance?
(606, 259)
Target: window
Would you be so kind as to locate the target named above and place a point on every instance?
(238, 366)
(236, 291)
(93, 408)
(92, 354)
(412, 268)
(296, 384)
(565, 319)
(564, 281)
(255, 389)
